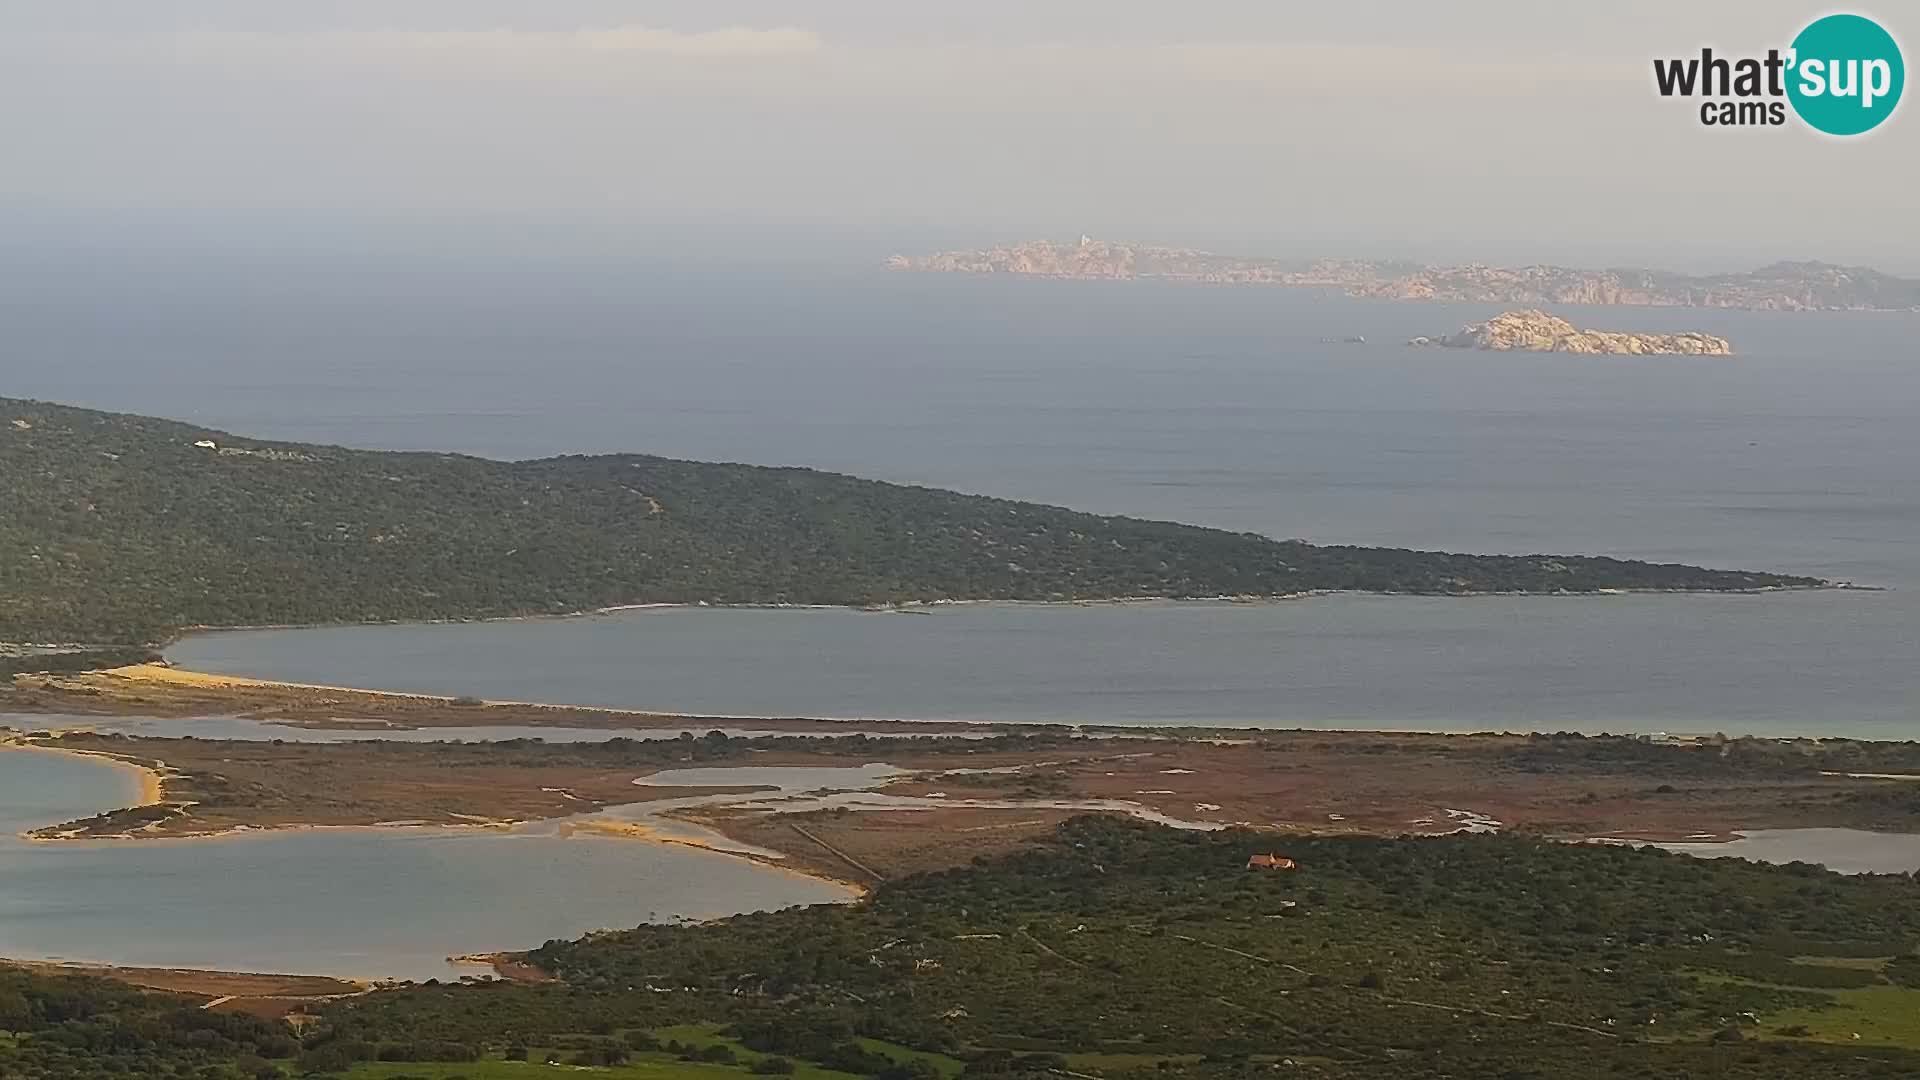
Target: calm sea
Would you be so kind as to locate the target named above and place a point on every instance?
(1221, 406)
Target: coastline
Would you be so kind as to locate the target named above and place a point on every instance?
(121, 688)
(925, 606)
(641, 831)
(902, 840)
(152, 779)
(1277, 782)
(585, 823)
(126, 692)
(244, 986)
(436, 708)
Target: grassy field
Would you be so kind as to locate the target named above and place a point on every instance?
(1851, 963)
(1875, 1015)
(1871, 1015)
(947, 1067)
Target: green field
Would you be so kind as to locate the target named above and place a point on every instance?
(1878, 1015)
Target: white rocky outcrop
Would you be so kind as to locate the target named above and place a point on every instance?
(1536, 331)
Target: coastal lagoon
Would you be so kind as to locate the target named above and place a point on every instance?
(1847, 851)
(356, 903)
(395, 903)
(1825, 663)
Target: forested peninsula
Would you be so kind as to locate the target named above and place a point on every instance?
(120, 529)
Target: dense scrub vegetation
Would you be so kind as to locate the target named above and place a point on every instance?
(1123, 948)
(1126, 937)
(71, 660)
(1705, 756)
(1126, 950)
(56, 1028)
(122, 529)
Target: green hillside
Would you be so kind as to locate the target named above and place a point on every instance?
(119, 528)
(1119, 950)
(1116, 950)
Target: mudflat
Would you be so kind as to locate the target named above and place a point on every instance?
(954, 798)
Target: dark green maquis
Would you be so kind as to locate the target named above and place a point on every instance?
(125, 529)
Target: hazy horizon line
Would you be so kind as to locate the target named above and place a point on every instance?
(321, 233)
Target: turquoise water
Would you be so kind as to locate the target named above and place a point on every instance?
(351, 902)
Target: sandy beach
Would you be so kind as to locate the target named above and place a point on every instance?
(164, 691)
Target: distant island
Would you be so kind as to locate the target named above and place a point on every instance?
(1537, 331)
(129, 530)
(1782, 286)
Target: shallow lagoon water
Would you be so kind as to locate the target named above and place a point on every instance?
(361, 903)
(1832, 663)
(389, 903)
(1849, 851)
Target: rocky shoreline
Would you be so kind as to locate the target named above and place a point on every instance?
(1782, 286)
(1536, 331)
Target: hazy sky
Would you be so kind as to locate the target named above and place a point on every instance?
(1496, 130)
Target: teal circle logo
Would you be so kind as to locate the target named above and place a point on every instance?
(1846, 74)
